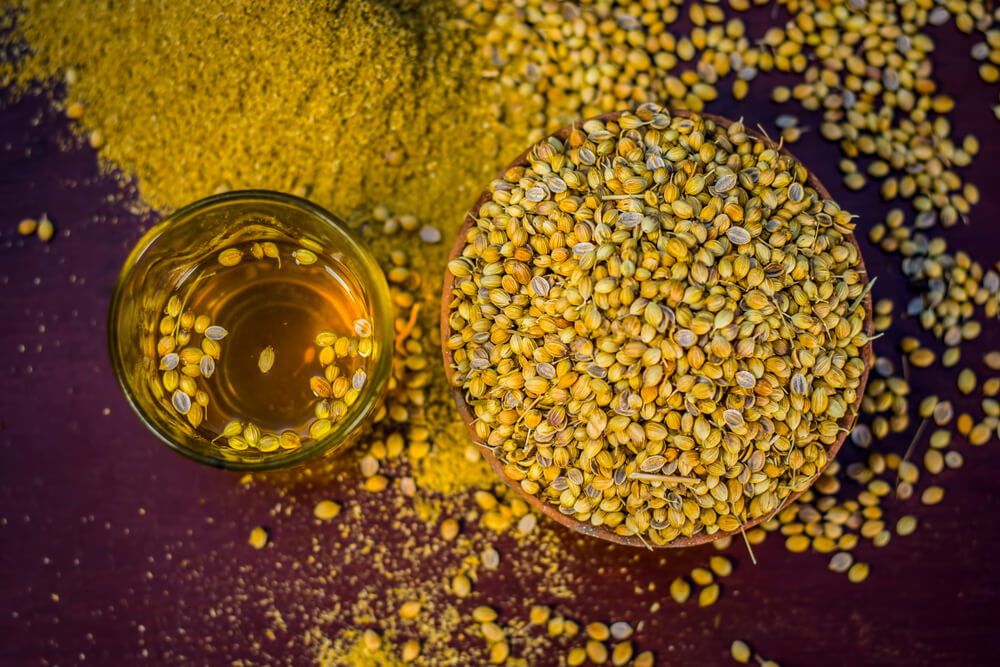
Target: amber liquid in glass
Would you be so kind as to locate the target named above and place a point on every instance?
(262, 305)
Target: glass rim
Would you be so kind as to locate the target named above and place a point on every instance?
(380, 303)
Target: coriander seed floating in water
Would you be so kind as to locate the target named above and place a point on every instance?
(227, 312)
(658, 327)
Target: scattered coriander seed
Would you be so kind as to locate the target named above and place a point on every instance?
(797, 543)
(169, 362)
(622, 653)
(490, 558)
(644, 659)
(363, 328)
(597, 652)
(266, 360)
(922, 357)
(932, 495)
(410, 650)
(499, 652)
(27, 227)
(304, 257)
(701, 576)
(721, 566)
(539, 614)
(230, 257)
(950, 357)
(461, 586)
(211, 348)
(953, 459)
(906, 525)
(740, 651)
(409, 222)
(320, 387)
(358, 379)
(46, 229)
(376, 483)
(326, 358)
(933, 461)
(318, 430)
(372, 641)
(484, 614)
(181, 402)
(429, 234)
(232, 428)
(908, 472)
(369, 465)
(841, 562)
(215, 332)
(967, 381)
(326, 510)
(492, 632)
(857, 573)
(940, 439)
(598, 631)
(621, 630)
(201, 322)
(449, 529)
(979, 434)
(289, 440)
(258, 537)
(943, 413)
(410, 609)
(680, 590)
(991, 387)
(251, 433)
(325, 338)
(708, 595)
(195, 415)
(238, 443)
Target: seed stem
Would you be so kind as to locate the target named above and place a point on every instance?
(187, 296)
(407, 328)
(746, 541)
(909, 450)
(864, 293)
(644, 542)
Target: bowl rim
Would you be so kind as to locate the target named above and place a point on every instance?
(380, 303)
(846, 423)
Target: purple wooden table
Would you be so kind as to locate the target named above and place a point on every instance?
(114, 550)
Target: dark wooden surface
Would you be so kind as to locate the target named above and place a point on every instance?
(114, 550)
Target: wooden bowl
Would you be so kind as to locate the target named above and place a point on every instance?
(847, 422)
